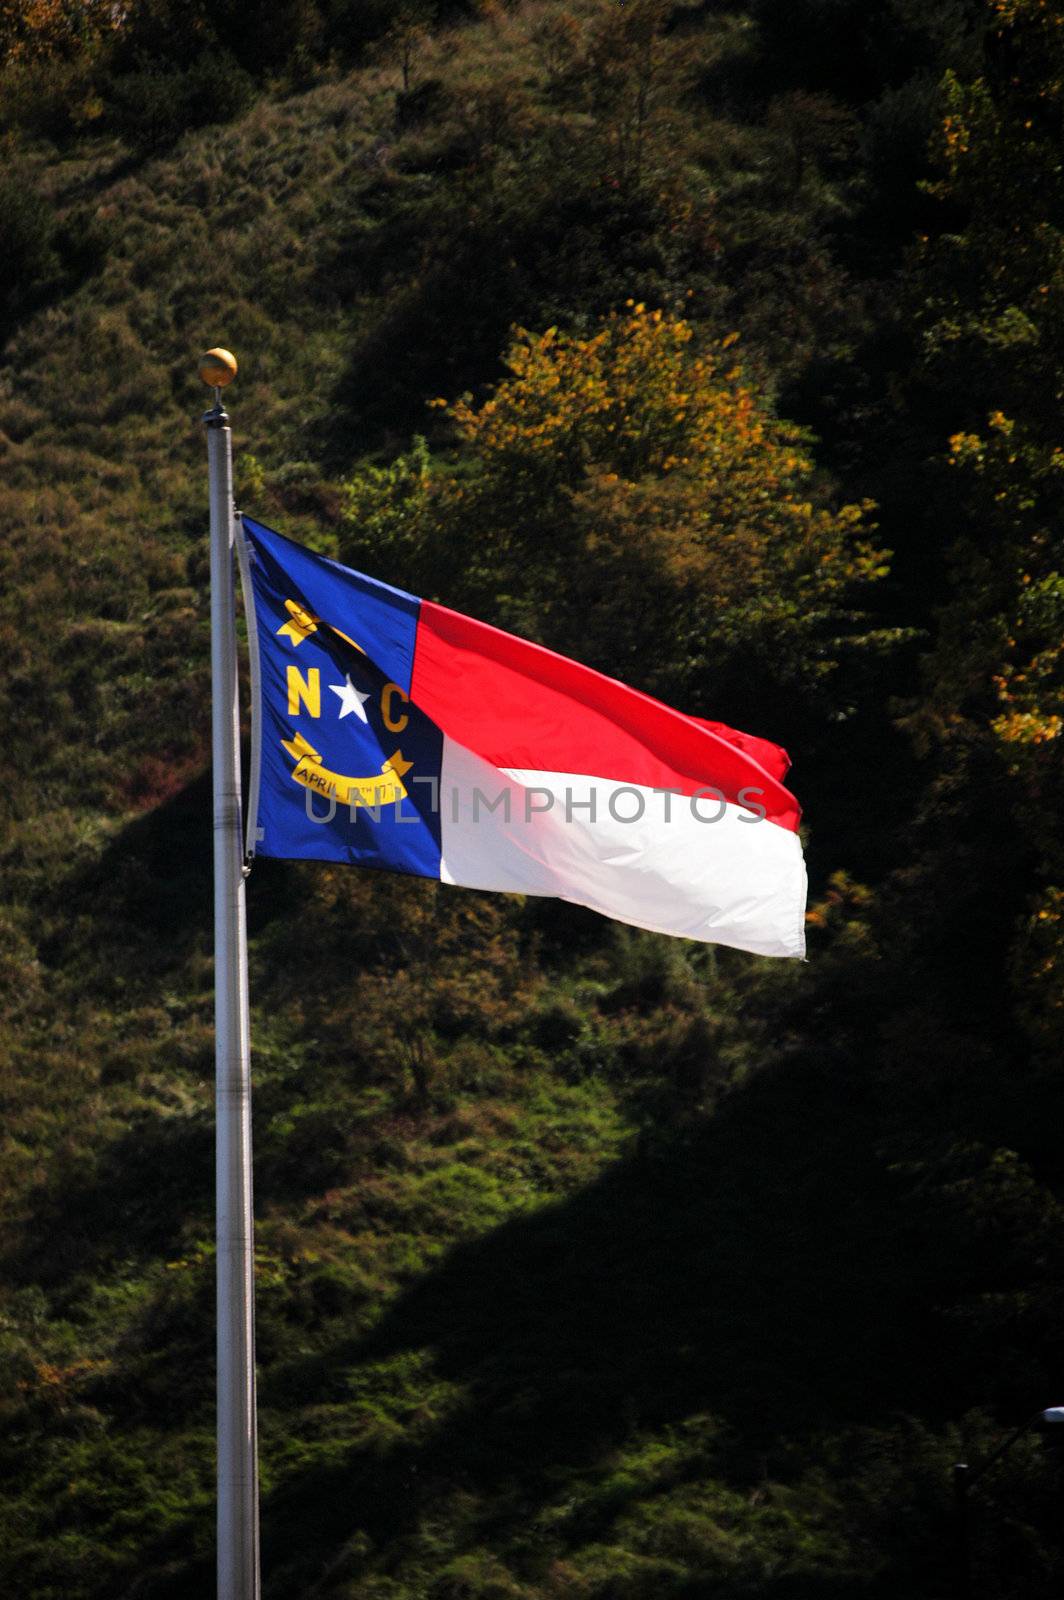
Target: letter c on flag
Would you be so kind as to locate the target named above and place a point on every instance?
(394, 724)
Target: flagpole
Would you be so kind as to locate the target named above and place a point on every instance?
(238, 1488)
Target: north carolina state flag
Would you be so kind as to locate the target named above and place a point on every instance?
(394, 733)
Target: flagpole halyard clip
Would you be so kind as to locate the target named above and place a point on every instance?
(217, 416)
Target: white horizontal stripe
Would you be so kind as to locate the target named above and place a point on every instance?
(734, 881)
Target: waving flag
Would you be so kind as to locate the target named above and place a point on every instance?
(395, 733)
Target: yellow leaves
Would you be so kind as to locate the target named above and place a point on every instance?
(1027, 727)
(965, 449)
(956, 137)
(57, 1384)
(636, 443)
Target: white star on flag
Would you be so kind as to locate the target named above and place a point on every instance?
(350, 699)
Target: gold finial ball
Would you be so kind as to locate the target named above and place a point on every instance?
(218, 367)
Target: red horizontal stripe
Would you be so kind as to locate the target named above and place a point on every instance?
(516, 704)
(772, 757)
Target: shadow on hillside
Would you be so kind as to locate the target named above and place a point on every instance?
(145, 904)
(142, 905)
(755, 1272)
(143, 1191)
(129, 923)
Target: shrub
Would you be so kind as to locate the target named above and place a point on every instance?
(153, 107)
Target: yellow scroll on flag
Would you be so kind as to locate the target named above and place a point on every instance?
(377, 789)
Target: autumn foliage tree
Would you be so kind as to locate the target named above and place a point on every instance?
(627, 495)
(34, 30)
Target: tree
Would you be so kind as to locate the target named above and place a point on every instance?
(992, 348)
(626, 496)
(405, 37)
(35, 30)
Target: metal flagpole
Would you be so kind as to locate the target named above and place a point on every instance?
(238, 1487)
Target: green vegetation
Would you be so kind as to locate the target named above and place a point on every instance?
(718, 346)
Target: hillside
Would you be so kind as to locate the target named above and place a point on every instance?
(590, 1265)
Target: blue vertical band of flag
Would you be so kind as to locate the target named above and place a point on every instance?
(336, 656)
